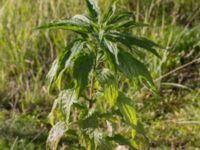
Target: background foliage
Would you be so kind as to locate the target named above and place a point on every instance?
(171, 117)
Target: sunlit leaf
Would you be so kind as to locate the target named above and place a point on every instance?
(110, 87)
(112, 47)
(93, 9)
(55, 135)
(74, 24)
(63, 62)
(66, 99)
(127, 109)
(110, 12)
(120, 17)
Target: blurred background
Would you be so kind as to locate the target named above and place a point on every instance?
(171, 117)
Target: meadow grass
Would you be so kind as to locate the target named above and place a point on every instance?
(171, 117)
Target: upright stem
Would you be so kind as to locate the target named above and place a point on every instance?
(93, 80)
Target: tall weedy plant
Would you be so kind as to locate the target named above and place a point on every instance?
(90, 107)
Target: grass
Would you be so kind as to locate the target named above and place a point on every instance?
(171, 117)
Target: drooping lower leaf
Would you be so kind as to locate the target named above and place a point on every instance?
(127, 110)
(66, 99)
(121, 140)
(81, 69)
(55, 135)
(110, 87)
(132, 68)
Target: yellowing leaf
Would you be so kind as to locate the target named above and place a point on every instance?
(110, 87)
(127, 109)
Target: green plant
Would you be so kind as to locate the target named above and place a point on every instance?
(90, 107)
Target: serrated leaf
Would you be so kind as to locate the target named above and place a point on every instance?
(74, 24)
(100, 141)
(130, 40)
(132, 68)
(120, 17)
(112, 47)
(110, 12)
(82, 18)
(109, 56)
(55, 135)
(66, 99)
(121, 140)
(63, 62)
(110, 87)
(93, 9)
(127, 109)
(90, 122)
(52, 73)
(51, 115)
(128, 24)
(81, 69)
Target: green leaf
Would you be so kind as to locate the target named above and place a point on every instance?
(52, 73)
(128, 24)
(109, 56)
(55, 135)
(120, 17)
(129, 40)
(127, 109)
(90, 122)
(93, 9)
(110, 87)
(100, 141)
(53, 112)
(132, 68)
(112, 47)
(81, 69)
(75, 24)
(63, 62)
(121, 140)
(110, 12)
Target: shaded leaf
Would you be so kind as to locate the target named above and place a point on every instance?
(90, 122)
(128, 24)
(132, 68)
(121, 140)
(129, 40)
(81, 69)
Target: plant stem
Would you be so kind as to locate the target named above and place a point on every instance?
(93, 80)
